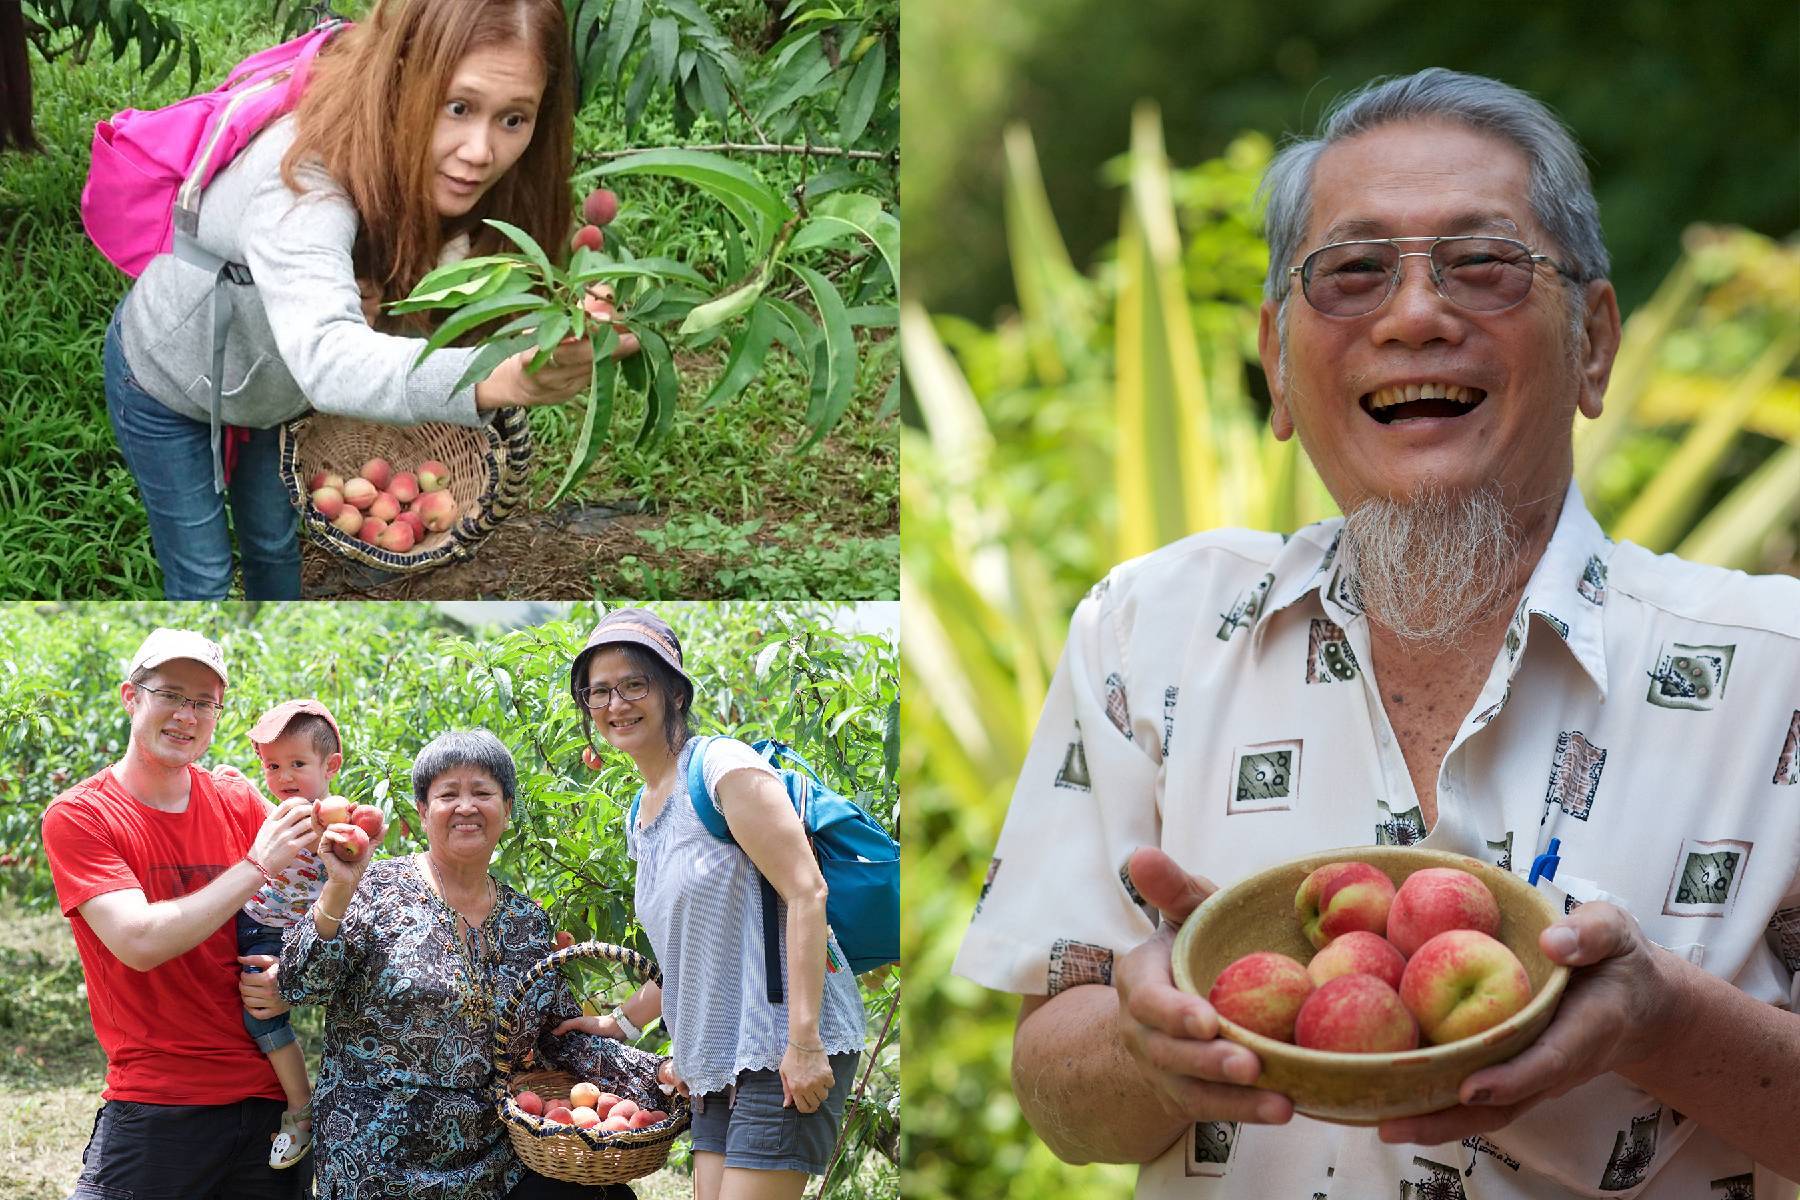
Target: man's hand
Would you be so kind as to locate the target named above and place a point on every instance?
(1172, 1036)
(1617, 1000)
(287, 831)
(258, 991)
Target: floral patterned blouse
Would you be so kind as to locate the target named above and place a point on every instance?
(402, 1106)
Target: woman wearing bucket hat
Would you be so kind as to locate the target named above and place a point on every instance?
(768, 1080)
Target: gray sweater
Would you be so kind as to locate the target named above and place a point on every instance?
(298, 339)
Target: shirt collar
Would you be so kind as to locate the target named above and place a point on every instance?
(1566, 591)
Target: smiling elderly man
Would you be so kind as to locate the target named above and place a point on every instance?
(1464, 662)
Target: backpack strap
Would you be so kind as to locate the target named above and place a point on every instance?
(714, 820)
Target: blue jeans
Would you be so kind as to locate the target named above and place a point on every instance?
(270, 1033)
(170, 456)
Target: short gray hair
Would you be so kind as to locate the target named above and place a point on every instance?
(1561, 196)
(464, 748)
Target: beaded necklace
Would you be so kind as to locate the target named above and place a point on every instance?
(477, 996)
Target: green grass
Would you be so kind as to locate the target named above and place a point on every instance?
(76, 529)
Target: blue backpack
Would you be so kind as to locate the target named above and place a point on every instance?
(859, 860)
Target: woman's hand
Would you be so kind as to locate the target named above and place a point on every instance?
(602, 307)
(336, 869)
(604, 1027)
(669, 1079)
(564, 377)
(806, 1078)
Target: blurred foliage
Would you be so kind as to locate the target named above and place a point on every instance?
(1120, 409)
(397, 675)
(1679, 108)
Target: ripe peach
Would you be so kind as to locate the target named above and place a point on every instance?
(584, 1095)
(624, 1108)
(584, 1116)
(657, 1116)
(1358, 952)
(1342, 896)
(329, 501)
(316, 480)
(1462, 982)
(590, 758)
(1357, 1013)
(386, 506)
(398, 537)
(414, 522)
(372, 528)
(615, 1124)
(378, 472)
(1436, 899)
(561, 1115)
(349, 520)
(606, 1103)
(361, 492)
(433, 476)
(600, 207)
(405, 487)
(368, 818)
(530, 1102)
(644, 1117)
(1262, 992)
(332, 810)
(588, 236)
(354, 845)
(438, 511)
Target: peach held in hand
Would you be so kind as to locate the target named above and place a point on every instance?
(354, 845)
(1436, 899)
(1339, 897)
(1355, 1013)
(1462, 982)
(1358, 952)
(1262, 992)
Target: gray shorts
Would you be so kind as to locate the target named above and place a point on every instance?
(755, 1131)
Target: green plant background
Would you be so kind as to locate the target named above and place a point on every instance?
(1079, 343)
(396, 675)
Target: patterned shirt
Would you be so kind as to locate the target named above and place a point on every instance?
(701, 905)
(1214, 700)
(289, 896)
(402, 1106)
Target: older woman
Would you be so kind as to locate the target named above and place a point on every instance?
(769, 1078)
(411, 956)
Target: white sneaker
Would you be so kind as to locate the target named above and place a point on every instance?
(294, 1139)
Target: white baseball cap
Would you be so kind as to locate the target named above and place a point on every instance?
(164, 644)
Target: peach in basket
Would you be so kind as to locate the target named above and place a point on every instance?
(1257, 914)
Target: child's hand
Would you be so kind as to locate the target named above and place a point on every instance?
(604, 1027)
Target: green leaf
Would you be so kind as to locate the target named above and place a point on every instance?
(797, 331)
(875, 316)
(716, 312)
(859, 213)
(526, 243)
(503, 688)
(440, 282)
(598, 417)
(804, 76)
(659, 400)
(693, 14)
(490, 282)
(478, 313)
(857, 104)
(665, 40)
(714, 97)
(621, 31)
(757, 206)
(840, 352)
(550, 335)
(641, 268)
(747, 355)
(638, 94)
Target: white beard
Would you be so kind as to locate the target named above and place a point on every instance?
(1430, 568)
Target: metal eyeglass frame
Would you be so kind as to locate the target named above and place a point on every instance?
(209, 709)
(642, 688)
(1437, 278)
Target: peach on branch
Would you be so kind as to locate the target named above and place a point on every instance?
(600, 207)
(1462, 982)
(1342, 896)
(1437, 899)
(1358, 952)
(1355, 1013)
(1262, 992)
(587, 237)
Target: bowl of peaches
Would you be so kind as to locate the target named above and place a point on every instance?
(1371, 981)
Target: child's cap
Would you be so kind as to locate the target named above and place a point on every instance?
(270, 725)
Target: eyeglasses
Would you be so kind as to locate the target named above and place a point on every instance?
(205, 709)
(1482, 274)
(598, 698)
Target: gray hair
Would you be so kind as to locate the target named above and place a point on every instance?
(1561, 196)
(464, 748)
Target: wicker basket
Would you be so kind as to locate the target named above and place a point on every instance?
(588, 1156)
(488, 476)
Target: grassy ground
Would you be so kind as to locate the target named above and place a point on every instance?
(52, 1069)
(738, 512)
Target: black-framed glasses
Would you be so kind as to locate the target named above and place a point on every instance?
(1482, 274)
(597, 698)
(207, 709)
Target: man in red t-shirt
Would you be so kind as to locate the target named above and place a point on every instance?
(152, 859)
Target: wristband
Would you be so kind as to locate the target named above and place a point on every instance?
(632, 1032)
(818, 1049)
(323, 911)
(250, 857)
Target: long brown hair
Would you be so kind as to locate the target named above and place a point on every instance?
(370, 109)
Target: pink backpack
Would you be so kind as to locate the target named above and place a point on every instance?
(148, 168)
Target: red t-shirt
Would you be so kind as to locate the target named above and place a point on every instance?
(173, 1034)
